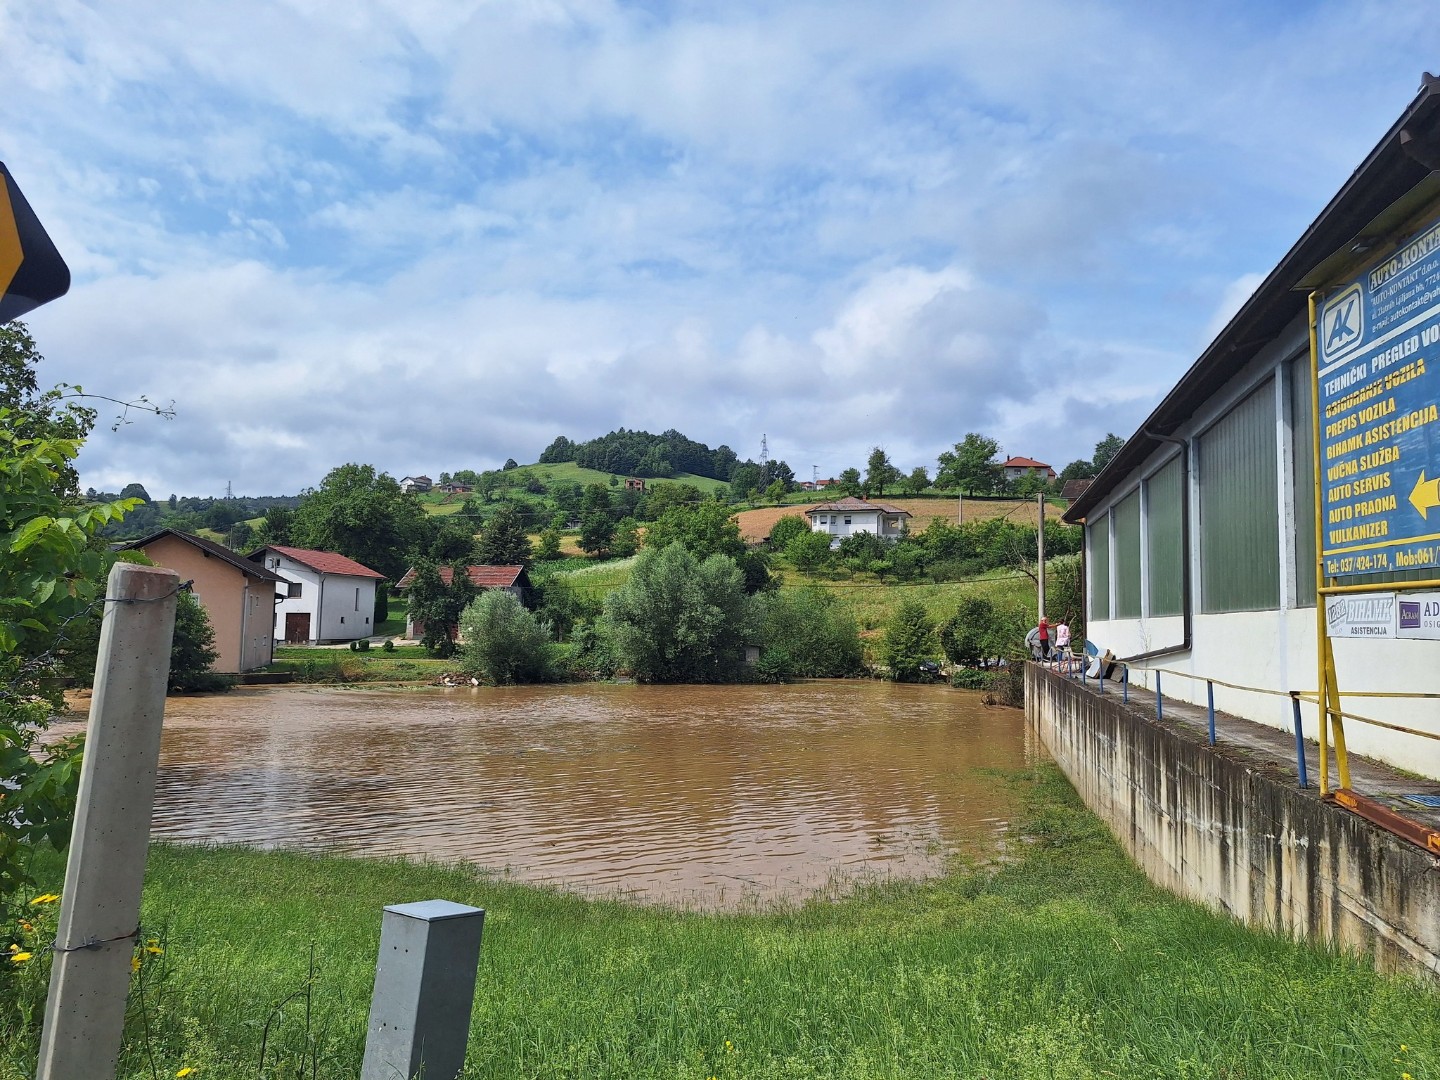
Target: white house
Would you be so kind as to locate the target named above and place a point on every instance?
(329, 598)
(415, 484)
(1017, 468)
(1201, 534)
(850, 515)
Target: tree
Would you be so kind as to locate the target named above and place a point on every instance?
(808, 551)
(967, 636)
(510, 463)
(504, 541)
(786, 529)
(597, 522)
(274, 527)
(909, 639)
(1079, 469)
(814, 632)
(918, 480)
(971, 466)
(363, 515)
(708, 528)
(437, 604)
(192, 650)
(504, 643)
(744, 480)
(50, 581)
(549, 543)
(452, 541)
(37, 414)
(849, 482)
(776, 492)
(626, 541)
(680, 619)
(879, 473)
(1106, 449)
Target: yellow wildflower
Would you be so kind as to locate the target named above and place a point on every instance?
(134, 964)
(19, 957)
(25, 925)
(46, 898)
(153, 948)
(185, 1071)
(14, 947)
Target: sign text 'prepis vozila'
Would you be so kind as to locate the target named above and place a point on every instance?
(1378, 337)
(31, 270)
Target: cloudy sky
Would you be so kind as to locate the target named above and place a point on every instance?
(433, 234)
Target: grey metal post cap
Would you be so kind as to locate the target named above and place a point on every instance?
(434, 910)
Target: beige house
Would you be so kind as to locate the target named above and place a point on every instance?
(238, 596)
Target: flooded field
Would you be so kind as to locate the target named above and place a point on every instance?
(709, 796)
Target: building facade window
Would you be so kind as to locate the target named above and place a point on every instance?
(1127, 556)
(1239, 508)
(1164, 549)
(1098, 534)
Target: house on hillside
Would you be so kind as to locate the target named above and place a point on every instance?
(237, 595)
(325, 598)
(415, 485)
(850, 515)
(513, 579)
(634, 483)
(451, 487)
(1017, 468)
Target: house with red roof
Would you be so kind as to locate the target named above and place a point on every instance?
(326, 597)
(1016, 468)
(512, 579)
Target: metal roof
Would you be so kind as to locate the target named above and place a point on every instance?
(1354, 224)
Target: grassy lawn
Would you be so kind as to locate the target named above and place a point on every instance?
(1062, 963)
(873, 601)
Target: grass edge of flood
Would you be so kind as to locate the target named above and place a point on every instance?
(1060, 962)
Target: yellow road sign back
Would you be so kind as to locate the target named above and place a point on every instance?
(31, 270)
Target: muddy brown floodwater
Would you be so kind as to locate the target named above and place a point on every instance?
(704, 796)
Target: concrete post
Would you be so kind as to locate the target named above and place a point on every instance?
(100, 907)
(424, 991)
(1040, 553)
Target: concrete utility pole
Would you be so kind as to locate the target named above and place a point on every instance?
(100, 906)
(1040, 549)
(960, 509)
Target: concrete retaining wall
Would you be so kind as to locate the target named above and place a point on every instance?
(1215, 828)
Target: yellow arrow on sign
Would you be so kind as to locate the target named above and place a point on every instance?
(1425, 495)
(11, 253)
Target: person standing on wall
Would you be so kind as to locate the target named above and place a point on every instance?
(1044, 638)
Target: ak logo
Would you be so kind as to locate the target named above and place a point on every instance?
(1342, 324)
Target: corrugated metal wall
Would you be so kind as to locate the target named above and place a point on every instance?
(1098, 534)
(1127, 556)
(1239, 508)
(1163, 549)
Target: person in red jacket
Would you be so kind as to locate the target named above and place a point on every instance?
(1044, 638)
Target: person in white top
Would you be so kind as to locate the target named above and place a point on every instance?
(1062, 638)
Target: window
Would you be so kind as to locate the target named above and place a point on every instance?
(357, 599)
(1164, 547)
(1239, 508)
(1127, 556)
(293, 590)
(1098, 533)
(847, 519)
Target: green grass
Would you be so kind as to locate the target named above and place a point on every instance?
(1063, 964)
(873, 601)
(375, 652)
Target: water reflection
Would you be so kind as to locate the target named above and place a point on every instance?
(702, 795)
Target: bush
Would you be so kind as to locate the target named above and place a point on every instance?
(389, 645)
(808, 550)
(192, 651)
(969, 679)
(774, 666)
(786, 529)
(504, 643)
(679, 619)
(909, 638)
(814, 631)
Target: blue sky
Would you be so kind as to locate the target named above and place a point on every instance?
(432, 235)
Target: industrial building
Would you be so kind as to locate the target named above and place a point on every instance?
(1201, 533)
